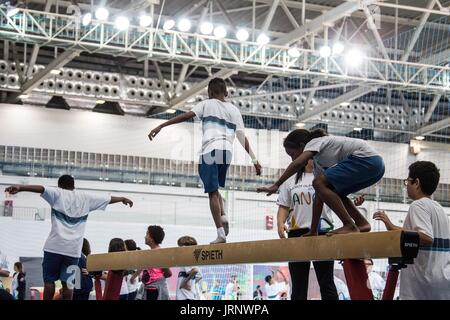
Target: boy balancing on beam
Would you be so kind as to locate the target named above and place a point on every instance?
(70, 210)
(221, 122)
(341, 166)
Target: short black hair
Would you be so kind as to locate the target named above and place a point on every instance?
(130, 244)
(428, 175)
(217, 86)
(157, 233)
(66, 182)
(268, 278)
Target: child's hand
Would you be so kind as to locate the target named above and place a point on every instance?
(126, 201)
(270, 190)
(382, 216)
(359, 200)
(282, 229)
(13, 189)
(258, 169)
(154, 132)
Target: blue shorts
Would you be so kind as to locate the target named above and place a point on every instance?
(54, 267)
(355, 173)
(213, 169)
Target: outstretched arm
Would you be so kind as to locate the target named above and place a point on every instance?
(382, 216)
(125, 201)
(244, 142)
(178, 119)
(290, 171)
(20, 188)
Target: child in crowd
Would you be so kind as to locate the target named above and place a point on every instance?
(86, 284)
(188, 276)
(133, 275)
(221, 122)
(70, 210)
(19, 283)
(428, 278)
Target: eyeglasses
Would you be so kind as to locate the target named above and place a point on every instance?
(405, 182)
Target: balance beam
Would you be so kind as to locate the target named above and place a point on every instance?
(391, 244)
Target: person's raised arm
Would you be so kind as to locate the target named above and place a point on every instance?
(125, 201)
(27, 188)
(292, 169)
(246, 144)
(178, 119)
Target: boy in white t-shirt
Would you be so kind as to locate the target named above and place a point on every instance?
(188, 276)
(70, 210)
(221, 122)
(429, 277)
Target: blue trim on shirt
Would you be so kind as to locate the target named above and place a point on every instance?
(219, 121)
(439, 244)
(68, 220)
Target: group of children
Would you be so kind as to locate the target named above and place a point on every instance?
(325, 170)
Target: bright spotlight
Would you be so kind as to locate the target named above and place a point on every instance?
(242, 35)
(338, 48)
(184, 25)
(300, 125)
(325, 51)
(171, 111)
(294, 52)
(220, 32)
(357, 129)
(206, 27)
(145, 20)
(354, 57)
(169, 24)
(87, 18)
(420, 138)
(262, 39)
(122, 23)
(101, 13)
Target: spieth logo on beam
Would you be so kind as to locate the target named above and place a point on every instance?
(207, 255)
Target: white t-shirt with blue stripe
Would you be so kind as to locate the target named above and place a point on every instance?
(429, 277)
(220, 121)
(70, 210)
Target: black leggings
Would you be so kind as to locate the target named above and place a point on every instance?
(300, 275)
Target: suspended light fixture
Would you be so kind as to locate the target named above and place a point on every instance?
(169, 24)
(293, 52)
(206, 27)
(145, 20)
(263, 39)
(325, 51)
(242, 34)
(338, 48)
(184, 25)
(87, 18)
(122, 23)
(220, 32)
(101, 14)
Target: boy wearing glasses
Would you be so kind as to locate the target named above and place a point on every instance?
(429, 277)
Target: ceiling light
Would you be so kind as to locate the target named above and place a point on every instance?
(294, 52)
(354, 57)
(101, 13)
(100, 101)
(169, 24)
(325, 51)
(220, 32)
(420, 138)
(263, 39)
(122, 23)
(184, 25)
(206, 27)
(300, 124)
(357, 129)
(24, 96)
(338, 48)
(171, 111)
(242, 34)
(55, 72)
(87, 18)
(145, 20)
(344, 104)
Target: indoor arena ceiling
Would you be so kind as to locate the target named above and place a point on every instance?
(405, 44)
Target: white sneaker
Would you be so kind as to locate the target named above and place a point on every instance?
(225, 224)
(219, 240)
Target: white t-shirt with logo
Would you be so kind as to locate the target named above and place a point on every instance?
(273, 290)
(220, 121)
(182, 293)
(429, 277)
(132, 286)
(70, 209)
(333, 149)
(299, 196)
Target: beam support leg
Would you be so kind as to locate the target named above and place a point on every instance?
(357, 280)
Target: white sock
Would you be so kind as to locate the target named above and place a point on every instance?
(221, 232)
